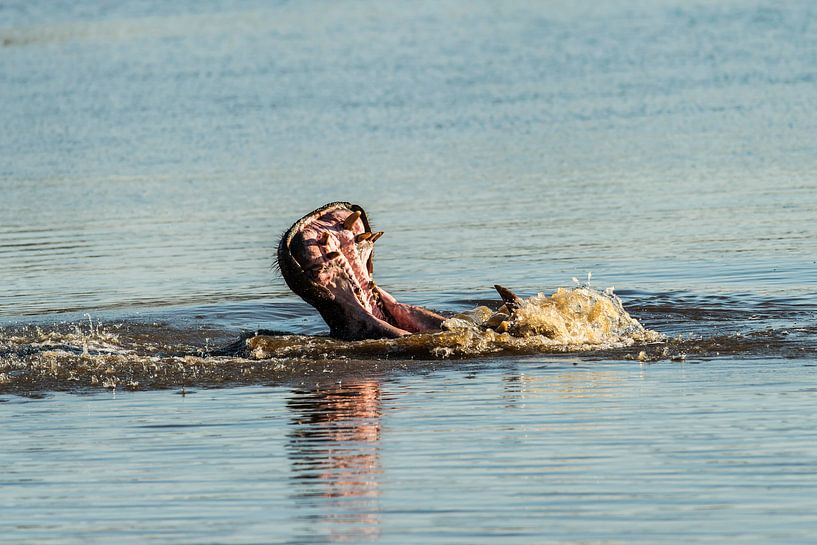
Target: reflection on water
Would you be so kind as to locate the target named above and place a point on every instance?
(334, 447)
(535, 452)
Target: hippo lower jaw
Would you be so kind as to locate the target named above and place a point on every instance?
(326, 258)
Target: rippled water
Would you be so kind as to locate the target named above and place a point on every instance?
(514, 452)
(152, 154)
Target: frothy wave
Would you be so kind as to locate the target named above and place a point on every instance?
(569, 320)
(137, 355)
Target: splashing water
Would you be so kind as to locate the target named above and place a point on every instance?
(577, 318)
(139, 355)
(569, 320)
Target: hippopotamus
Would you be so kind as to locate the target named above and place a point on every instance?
(327, 257)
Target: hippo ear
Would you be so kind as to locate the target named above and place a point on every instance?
(511, 300)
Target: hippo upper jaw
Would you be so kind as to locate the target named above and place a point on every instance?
(326, 257)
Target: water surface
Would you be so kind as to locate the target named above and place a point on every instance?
(152, 154)
(527, 451)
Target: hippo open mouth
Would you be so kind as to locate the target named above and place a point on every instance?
(326, 258)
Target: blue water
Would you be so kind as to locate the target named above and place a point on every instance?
(535, 451)
(152, 153)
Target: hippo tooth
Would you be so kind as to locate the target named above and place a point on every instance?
(324, 238)
(363, 236)
(375, 236)
(332, 255)
(350, 220)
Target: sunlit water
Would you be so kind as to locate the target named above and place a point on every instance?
(151, 154)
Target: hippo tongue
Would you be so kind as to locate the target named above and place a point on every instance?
(326, 257)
